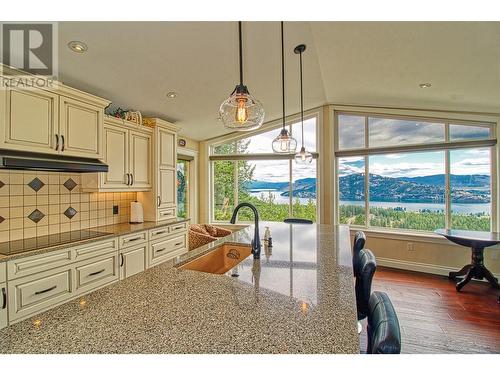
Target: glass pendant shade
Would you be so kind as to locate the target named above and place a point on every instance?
(284, 143)
(303, 156)
(241, 111)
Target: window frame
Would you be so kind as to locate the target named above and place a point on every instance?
(445, 146)
(270, 126)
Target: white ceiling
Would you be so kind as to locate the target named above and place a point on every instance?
(134, 64)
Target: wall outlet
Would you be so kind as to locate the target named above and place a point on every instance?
(410, 246)
(115, 210)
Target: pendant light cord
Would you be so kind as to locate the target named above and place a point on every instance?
(283, 72)
(301, 100)
(241, 53)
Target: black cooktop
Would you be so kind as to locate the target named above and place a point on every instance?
(35, 243)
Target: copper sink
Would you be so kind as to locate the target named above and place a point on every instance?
(220, 260)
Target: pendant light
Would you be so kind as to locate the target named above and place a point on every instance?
(241, 111)
(284, 143)
(303, 156)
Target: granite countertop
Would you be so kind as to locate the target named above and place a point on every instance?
(39, 245)
(298, 298)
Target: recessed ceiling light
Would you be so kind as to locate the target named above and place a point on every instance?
(425, 85)
(171, 95)
(77, 46)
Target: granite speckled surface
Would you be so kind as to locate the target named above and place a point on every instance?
(34, 246)
(298, 298)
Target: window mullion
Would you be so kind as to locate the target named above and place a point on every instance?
(367, 193)
(447, 190)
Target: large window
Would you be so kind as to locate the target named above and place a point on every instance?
(415, 174)
(183, 188)
(245, 170)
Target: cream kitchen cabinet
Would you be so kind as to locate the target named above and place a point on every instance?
(57, 120)
(3, 305)
(161, 202)
(133, 260)
(29, 120)
(127, 152)
(80, 128)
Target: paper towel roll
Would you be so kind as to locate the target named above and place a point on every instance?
(136, 213)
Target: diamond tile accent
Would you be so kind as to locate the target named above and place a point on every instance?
(1, 219)
(36, 184)
(70, 212)
(1, 184)
(36, 215)
(70, 184)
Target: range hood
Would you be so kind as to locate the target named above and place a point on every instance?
(42, 162)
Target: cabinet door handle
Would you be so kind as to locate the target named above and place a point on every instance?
(161, 232)
(4, 298)
(96, 272)
(57, 142)
(134, 239)
(128, 178)
(122, 260)
(132, 176)
(158, 198)
(160, 250)
(46, 290)
(178, 243)
(177, 228)
(62, 139)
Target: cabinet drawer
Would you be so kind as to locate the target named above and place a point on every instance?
(133, 239)
(133, 261)
(36, 293)
(177, 228)
(167, 214)
(96, 274)
(38, 263)
(164, 250)
(158, 233)
(96, 249)
(3, 305)
(3, 272)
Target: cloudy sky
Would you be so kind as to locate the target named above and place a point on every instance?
(278, 170)
(382, 132)
(462, 162)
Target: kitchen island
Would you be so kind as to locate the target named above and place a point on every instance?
(298, 298)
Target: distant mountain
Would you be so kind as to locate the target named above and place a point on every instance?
(424, 189)
(457, 181)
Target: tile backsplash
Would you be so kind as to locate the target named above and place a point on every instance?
(35, 204)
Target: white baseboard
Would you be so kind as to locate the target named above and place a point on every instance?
(419, 267)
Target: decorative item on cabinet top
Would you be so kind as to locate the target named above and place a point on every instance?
(35, 204)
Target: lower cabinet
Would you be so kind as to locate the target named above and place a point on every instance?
(32, 285)
(3, 305)
(98, 273)
(133, 261)
(165, 249)
(41, 291)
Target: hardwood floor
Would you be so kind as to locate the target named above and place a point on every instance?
(435, 318)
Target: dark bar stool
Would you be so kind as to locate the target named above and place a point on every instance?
(384, 335)
(367, 266)
(359, 244)
(293, 220)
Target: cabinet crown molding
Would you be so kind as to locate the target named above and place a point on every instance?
(58, 87)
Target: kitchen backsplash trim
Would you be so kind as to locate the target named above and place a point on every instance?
(34, 204)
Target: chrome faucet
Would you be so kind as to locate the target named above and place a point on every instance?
(256, 237)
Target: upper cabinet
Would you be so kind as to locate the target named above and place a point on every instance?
(29, 120)
(80, 128)
(127, 152)
(167, 152)
(61, 121)
(160, 203)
